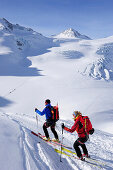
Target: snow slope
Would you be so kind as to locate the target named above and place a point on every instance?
(16, 44)
(22, 150)
(76, 73)
(71, 34)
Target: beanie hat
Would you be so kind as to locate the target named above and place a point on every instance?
(48, 101)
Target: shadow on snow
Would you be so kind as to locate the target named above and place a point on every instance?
(18, 64)
(4, 102)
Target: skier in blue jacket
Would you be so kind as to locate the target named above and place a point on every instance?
(49, 122)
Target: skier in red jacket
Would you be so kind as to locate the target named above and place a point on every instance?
(83, 136)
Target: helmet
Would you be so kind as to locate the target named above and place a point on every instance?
(76, 114)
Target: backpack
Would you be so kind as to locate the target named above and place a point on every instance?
(55, 113)
(87, 125)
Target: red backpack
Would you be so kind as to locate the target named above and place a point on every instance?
(87, 125)
(55, 113)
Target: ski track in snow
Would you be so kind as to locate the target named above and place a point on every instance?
(41, 156)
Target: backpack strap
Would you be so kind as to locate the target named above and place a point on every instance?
(85, 123)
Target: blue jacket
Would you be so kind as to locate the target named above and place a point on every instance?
(46, 111)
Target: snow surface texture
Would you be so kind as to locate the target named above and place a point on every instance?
(76, 72)
(22, 150)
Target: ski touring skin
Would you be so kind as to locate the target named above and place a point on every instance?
(50, 141)
(75, 157)
(92, 159)
(40, 136)
(68, 152)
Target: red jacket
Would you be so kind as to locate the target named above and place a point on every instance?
(76, 127)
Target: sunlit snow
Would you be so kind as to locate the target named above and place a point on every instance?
(76, 72)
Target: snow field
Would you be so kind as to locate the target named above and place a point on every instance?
(76, 73)
(34, 155)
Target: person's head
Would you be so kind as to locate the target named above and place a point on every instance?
(47, 101)
(76, 114)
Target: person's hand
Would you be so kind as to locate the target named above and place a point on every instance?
(36, 109)
(62, 125)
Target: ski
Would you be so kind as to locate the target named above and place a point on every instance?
(92, 159)
(72, 156)
(41, 137)
(59, 143)
(50, 141)
(67, 150)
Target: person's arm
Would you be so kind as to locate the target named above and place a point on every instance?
(39, 112)
(73, 128)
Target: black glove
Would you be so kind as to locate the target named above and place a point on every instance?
(36, 109)
(91, 131)
(62, 125)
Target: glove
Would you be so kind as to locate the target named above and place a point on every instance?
(91, 131)
(36, 109)
(62, 125)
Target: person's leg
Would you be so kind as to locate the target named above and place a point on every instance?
(82, 144)
(54, 131)
(45, 126)
(77, 149)
(85, 151)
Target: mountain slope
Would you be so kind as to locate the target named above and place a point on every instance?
(16, 44)
(71, 34)
(68, 69)
(67, 75)
(98, 61)
(33, 155)
(94, 57)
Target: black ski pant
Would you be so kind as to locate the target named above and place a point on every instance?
(52, 126)
(80, 142)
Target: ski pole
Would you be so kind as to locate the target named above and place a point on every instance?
(37, 123)
(61, 146)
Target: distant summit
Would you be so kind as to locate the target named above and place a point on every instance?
(71, 34)
(17, 43)
(7, 26)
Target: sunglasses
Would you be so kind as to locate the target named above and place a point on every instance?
(74, 114)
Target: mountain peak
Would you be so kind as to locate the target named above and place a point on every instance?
(6, 25)
(71, 34)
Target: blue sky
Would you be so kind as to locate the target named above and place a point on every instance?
(93, 18)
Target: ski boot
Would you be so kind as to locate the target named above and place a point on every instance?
(47, 139)
(82, 158)
(86, 155)
(56, 140)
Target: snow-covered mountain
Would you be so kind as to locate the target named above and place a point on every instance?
(71, 34)
(75, 72)
(96, 55)
(16, 44)
(97, 61)
(7, 26)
